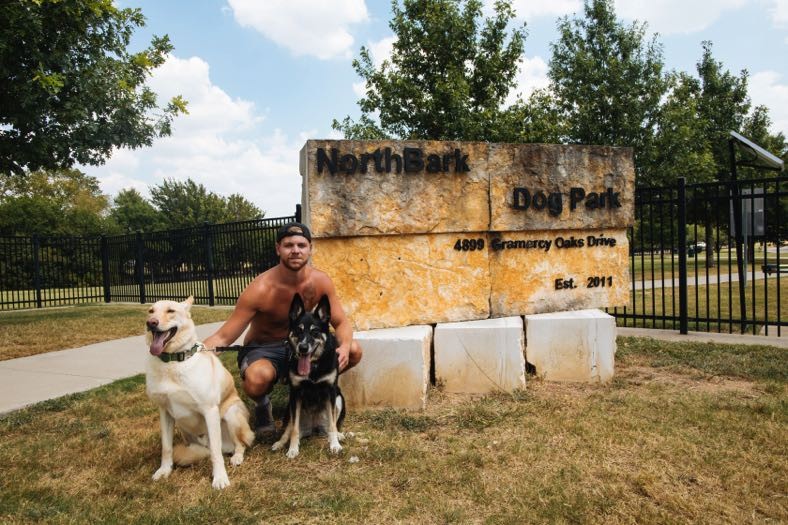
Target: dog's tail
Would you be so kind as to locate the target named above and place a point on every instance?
(183, 456)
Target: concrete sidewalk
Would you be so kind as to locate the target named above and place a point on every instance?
(708, 337)
(29, 380)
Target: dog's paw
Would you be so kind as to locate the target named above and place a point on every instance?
(340, 436)
(220, 481)
(335, 447)
(277, 446)
(292, 452)
(236, 459)
(163, 472)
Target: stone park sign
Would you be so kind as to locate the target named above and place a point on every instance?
(425, 232)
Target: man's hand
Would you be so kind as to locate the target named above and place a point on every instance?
(343, 352)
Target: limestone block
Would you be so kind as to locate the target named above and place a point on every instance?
(400, 280)
(389, 202)
(394, 371)
(553, 168)
(480, 356)
(572, 346)
(524, 271)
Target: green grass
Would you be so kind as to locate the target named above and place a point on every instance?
(31, 332)
(223, 287)
(666, 267)
(685, 433)
(713, 302)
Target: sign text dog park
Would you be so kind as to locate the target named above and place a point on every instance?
(426, 232)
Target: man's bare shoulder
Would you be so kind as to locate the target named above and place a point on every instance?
(320, 278)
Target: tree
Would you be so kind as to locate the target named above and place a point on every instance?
(71, 90)
(692, 140)
(607, 80)
(131, 212)
(449, 74)
(681, 148)
(187, 204)
(65, 202)
(240, 209)
(723, 105)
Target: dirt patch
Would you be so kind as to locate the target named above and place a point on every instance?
(689, 379)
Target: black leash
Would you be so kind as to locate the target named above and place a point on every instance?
(233, 348)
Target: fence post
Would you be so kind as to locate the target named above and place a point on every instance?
(298, 213)
(140, 266)
(37, 270)
(739, 234)
(682, 198)
(105, 268)
(209, 261)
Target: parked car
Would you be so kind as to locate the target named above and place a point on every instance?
(696, 248)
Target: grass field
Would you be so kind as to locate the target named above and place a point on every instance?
(31, 332)
(708, 302)
(685, 433)
(648, 267)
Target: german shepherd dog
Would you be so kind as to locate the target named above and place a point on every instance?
(315, 399)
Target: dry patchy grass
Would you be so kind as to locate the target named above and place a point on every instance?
(672, 439)
(32, 332)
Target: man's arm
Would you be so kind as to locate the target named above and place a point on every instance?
(235, 325)
(342, 326)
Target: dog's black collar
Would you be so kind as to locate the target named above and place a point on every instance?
(181, 356)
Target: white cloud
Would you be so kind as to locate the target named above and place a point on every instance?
(305, 27)
(779, 12)
(528, 9)
(532, 75)
(382, 49)
(218, 144)
(676, 16)
(379, 51)
(765, 89)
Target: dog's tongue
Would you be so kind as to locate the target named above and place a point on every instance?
(157, 343)
(304, 365)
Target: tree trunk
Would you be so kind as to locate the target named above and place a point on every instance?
(709, 227)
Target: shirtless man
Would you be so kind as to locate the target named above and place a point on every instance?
(265, 303)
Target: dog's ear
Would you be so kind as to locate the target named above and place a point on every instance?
(323, 309)
(296, 309)
(188, 302)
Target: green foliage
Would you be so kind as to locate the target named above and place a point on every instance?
(131, 212)
(680, 145)
(448, 77)
(64, 202)
(723, 105)
(606, 80)
(71, 90)
(240, 209)
(187, 204)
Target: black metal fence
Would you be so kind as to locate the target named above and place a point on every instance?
(688, 270)
(213, 263)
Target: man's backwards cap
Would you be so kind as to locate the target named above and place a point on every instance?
(293, 228)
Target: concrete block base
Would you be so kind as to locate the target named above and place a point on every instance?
(394, 370)
(572, 346)
(477, 357)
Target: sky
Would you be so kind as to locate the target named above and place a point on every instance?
(264, 76)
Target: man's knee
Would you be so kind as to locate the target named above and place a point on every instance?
(355, 354)
(259, 378)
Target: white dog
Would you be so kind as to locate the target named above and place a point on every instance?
(194, 391)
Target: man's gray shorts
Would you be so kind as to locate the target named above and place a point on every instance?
(275, 352)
